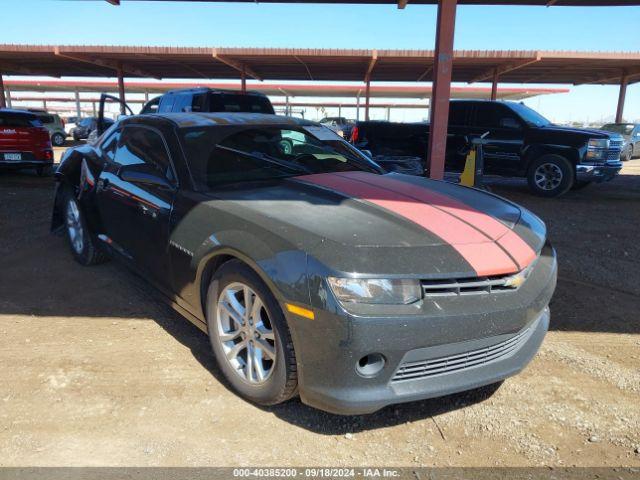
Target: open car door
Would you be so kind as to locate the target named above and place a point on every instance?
(105, 97)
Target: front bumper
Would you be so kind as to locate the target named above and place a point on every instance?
(598, 173)
(504, 331)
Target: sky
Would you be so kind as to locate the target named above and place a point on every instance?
(85, 22)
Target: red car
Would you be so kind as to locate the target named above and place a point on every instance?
(24, 142)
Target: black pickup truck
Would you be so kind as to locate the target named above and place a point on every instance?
(519, 143)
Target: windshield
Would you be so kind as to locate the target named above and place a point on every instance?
(622, 128)
(266, 153)
(529, 115)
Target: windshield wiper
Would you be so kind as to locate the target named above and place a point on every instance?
(268, 158)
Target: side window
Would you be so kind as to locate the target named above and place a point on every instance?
(492, 115)
(110, 144)
(197, 104)
(458, 114)
(140, 145)
(46, 119)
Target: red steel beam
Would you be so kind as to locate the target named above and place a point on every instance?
(367, 98)
(441, 96)
(3, 100)
(121, 89)
(494, 85)
(624, 81)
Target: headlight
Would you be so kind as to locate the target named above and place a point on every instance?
(375, 290)
(597, 148)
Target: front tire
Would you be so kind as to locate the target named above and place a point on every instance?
(550, 176)
(249, 336)
(627, 154)
(58, 139)
(81, 242)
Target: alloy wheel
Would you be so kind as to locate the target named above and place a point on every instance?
(246, 334)
(548, 176)
(74, 227)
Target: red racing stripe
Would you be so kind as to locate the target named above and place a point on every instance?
(481, 252)
(510, 241)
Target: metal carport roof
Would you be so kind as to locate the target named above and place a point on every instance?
(568, 67)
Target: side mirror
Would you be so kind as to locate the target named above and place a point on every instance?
(509, 122)
(145, 174)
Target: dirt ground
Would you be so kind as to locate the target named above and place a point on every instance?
(94, 370)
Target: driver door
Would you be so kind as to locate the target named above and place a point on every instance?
(135, 214)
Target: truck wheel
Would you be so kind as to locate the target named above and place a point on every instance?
(249, 336)
(58, 139)
(81, 241)
(627, 154)
(550, 176)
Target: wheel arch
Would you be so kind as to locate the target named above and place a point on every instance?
(537, 151)
(211, 263)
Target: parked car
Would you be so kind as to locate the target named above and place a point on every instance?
(342, 126)
(208, 100)
(631, 134)
(86, 126)
(520, 143)
(312, 271)
(71, 123)
(53, 123)
(24, 142)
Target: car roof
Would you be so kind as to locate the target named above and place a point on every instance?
(212, 90)
(209, 119)
(18, 112)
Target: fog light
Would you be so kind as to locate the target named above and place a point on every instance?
(370, 365)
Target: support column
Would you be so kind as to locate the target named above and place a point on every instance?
(93, 107)
(121, 90)
(494, 85)
(78, 112)
(367, 93)
(3, 100)
(388, 114)
(443, 63)
(286, 106)
(8, 98)
(146, 96)
(624, 81)
(340, 110)
(44, 104)
(358, 107)
(243, 81)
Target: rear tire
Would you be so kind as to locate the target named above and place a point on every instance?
(550, 176)
(58, 139)
(261, 379)
(627, 154)
(81, 241)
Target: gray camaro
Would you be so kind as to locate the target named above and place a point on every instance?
(312, 270)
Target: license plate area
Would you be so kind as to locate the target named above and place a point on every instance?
(12, 157)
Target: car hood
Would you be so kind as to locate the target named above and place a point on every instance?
(364, 222)
(586, 132)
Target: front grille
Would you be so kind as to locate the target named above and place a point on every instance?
(459, 362)
(615, 148)
(466, 286)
